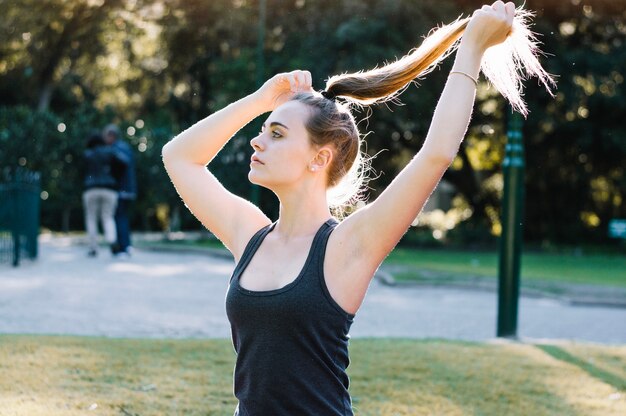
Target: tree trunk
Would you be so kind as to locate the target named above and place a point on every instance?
(45, 96)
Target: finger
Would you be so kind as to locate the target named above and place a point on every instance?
(304, 79)
(283, 80)
(297, 80)
(509, 13)
(500, 11)
(308, 79)
(293, 85)
(486, 8)
(510, 8)
(498, 5)
(301, 80)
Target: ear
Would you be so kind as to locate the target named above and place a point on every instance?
(322, 159)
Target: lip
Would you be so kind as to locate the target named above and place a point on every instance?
(255, 159)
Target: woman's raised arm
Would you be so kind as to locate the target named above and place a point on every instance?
(232, 219)
(378, 227)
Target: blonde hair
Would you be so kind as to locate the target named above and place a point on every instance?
(504, 65)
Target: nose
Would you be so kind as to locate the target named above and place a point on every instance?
(257, 143)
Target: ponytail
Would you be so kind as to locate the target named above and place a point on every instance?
(505, 66)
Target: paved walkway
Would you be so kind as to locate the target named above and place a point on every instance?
(180, 295)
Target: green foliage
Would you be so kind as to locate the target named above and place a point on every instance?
(33, 140)
(169, 64)
(576, 142)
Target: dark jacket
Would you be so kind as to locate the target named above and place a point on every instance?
(105, 166)
(127, 181)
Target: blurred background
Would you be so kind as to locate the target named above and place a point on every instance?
(154, 67)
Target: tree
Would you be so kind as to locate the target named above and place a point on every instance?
(46, 39)
(576, 142)
(155, 67)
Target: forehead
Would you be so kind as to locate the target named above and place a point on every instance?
(292, 114)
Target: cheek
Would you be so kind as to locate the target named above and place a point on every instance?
(288, 170)
(279, 172)
(291, 158)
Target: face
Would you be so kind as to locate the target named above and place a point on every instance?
(283, 152)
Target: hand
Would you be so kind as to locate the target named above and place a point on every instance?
(490, 25)
(282, 87)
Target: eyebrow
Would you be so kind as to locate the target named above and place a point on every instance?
(276, 123)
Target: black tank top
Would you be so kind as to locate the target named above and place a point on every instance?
(292, 342)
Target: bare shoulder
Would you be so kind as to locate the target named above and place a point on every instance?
(355, 239)
(347, 270)
(343, 244)
(245, 231)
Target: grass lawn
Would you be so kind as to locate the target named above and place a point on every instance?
(598, 269)
(589, 268)
(46, 375)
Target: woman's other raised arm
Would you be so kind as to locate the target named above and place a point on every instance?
(232, 219)
(379, 226)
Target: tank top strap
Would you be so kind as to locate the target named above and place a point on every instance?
(319, 242)
(319, 249)
(251, 248)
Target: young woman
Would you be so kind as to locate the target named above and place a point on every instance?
(299, 282)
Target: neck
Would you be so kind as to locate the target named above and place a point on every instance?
(301, 213)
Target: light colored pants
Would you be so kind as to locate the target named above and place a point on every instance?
(100, 203)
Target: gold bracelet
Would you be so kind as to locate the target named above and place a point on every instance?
(467, 75)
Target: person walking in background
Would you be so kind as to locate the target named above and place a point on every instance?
(127, 187)
(100, 196)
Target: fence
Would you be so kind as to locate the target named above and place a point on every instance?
(19, 214)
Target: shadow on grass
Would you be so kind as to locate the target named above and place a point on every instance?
(562, 355)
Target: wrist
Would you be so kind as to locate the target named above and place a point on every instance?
(259, 102)
(471, 46)
(468, 58)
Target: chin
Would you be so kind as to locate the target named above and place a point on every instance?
(251, 178)
(254, 179)
(257, 179)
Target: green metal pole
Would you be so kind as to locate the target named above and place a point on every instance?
(14, 200)
(511, 239)
(260, 75)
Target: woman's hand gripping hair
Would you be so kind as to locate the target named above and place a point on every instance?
(510, 49)
(282, 87)
(490, 25)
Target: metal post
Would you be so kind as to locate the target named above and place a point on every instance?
(15, 226)
(260, 74)
(511, 239)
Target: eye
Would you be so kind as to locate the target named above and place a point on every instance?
(276, 134)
